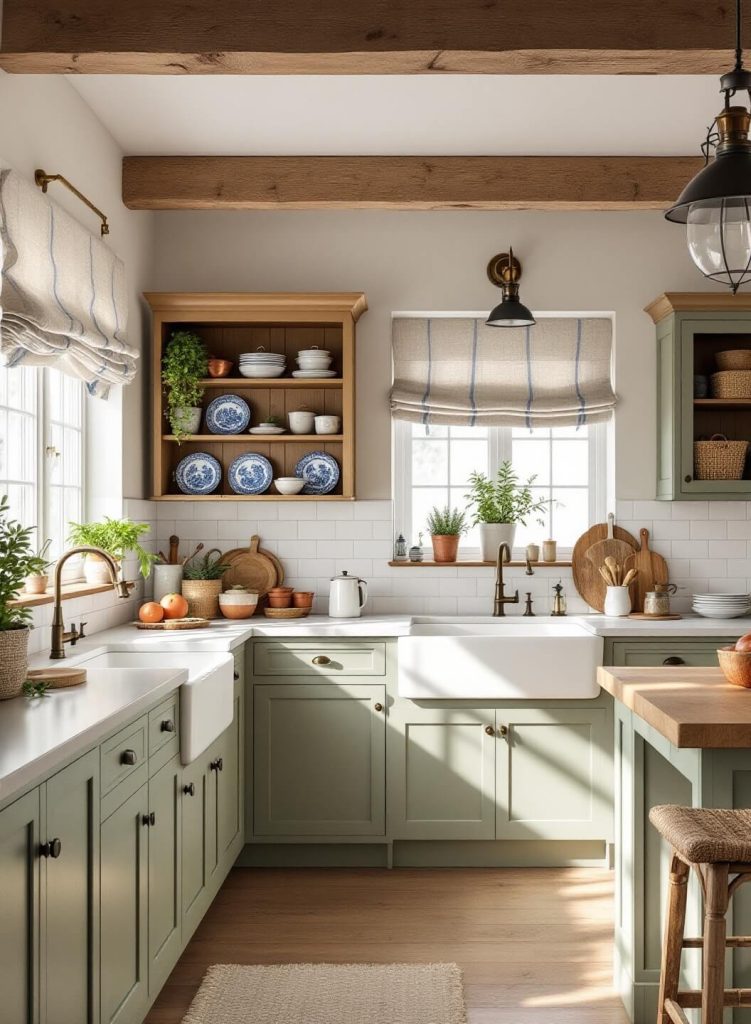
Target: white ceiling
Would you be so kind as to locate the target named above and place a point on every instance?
(404, 114)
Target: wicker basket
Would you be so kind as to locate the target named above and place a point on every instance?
(735, 359)
(719, 459)
(203, 598)
(731, 384)
(14, 645)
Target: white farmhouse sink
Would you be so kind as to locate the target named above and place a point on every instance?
(206, 699)
(498, 660)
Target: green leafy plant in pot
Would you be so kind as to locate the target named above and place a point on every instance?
(17, 561)
(117, 537)
(37, 579)
(446, 526)
(202, 584)
(499, 505)
(184, 365)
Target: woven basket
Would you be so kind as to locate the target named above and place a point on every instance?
(719, 459)
(14, 645)
(731, 384)
(203, 598)
(735, 359)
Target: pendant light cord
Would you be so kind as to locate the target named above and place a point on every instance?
(738, 47)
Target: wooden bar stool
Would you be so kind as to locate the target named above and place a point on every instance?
(717, 845)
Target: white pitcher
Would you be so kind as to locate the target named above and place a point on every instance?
(347, 596)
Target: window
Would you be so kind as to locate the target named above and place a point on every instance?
(432, 467)
(42, 450)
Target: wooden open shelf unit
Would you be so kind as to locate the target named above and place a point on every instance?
(231, 323)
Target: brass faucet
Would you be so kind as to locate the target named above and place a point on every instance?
(500, 598)
(59, 637)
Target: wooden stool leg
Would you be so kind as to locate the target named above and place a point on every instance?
(673, 937)
(715, 908)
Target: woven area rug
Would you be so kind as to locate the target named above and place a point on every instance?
(330, 994)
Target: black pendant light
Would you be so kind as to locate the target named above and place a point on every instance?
(505, 271)
(716, 204)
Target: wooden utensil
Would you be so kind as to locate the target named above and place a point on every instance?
(587, 579)
(57, 678)
(174, 544)
(199, 548)
(611, 547)
(253, 568)
(651, 567)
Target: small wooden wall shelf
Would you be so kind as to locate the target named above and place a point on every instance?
(427, 564)
(232, 323)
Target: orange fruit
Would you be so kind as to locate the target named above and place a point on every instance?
(175, 606)
(151, 612)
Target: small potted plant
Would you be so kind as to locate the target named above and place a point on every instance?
(184, 365)
(115, 536)
(202, 584)
(499, 505)
(37, 579)
(446, 526)
(16, 562)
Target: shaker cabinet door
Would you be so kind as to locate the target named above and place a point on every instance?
(19, 920)
(164, 873)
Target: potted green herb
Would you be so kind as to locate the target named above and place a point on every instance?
(202, 584)
(115, 536)
(499, 505)
(37, 578)
(184, 365)
(16, 561)
(446, 526)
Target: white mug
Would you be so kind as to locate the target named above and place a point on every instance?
(327, 424)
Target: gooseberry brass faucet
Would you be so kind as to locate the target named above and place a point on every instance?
(59, 637)
(500, 598)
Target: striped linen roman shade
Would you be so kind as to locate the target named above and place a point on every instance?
(457, 371)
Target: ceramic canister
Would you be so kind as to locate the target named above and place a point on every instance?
(168, 579)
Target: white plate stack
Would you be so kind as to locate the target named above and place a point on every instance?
(262, 364)
(722, 606)
(314, 362)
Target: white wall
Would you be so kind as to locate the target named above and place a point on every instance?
(610, 262)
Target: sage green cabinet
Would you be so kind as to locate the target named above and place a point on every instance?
(164, 897)
(19, 920)
(319, 759)
(228, 776)
(695, 653)
(195, 893)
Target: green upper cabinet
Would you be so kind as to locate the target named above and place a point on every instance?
(691, 329)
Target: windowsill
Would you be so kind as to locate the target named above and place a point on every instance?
(472, 564)
(67, 593)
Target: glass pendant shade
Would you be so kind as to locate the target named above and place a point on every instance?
(510, 313)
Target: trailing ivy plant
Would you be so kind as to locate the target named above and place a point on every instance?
(446, 522)
(504, 499)
(184, 365)
(16, 558)
(117, 537)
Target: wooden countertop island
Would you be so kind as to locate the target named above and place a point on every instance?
(690, 707)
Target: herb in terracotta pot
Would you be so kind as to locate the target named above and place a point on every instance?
(184, 365)
(446, 526)
(499, 505)
(115, 536)
(16, 562)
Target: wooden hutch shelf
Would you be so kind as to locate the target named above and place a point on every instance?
(232, 323)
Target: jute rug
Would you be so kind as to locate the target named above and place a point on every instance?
(330, 994)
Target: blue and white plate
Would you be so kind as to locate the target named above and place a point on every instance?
(228, 414)
(250, 474)
(198, 473)
(319, 471)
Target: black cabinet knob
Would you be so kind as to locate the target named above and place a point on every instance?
(128, 757)
(674, 660)
(167, 725)
(190, 789)
(149, 819)
(52, 848)
(237, 676)
(218, 765)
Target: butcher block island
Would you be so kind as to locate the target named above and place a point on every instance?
(682, 736)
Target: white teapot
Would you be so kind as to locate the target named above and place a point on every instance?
(347, 596)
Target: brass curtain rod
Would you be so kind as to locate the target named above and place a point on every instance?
(42, 179)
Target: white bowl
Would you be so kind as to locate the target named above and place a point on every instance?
(301, 421)
(289, 484)
(313, 353)
(327, 424)
(261, 371)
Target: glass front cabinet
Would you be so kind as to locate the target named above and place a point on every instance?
(703, 395)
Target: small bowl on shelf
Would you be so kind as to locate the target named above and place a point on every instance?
(238, 603)
(327, 424)
(289, 484)
(219, 367)
(303, 599)
(280, 597)
(735, 665)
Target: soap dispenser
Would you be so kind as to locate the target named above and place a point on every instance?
(559, 600)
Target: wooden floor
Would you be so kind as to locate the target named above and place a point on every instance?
(535, 945)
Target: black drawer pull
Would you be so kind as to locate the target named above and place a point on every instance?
(51, 849)
(674, 660)
(167, 725)
(190, 789)
(128, 757)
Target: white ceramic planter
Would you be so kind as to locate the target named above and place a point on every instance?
(617, 601)
(492, 535)
(36, 584)
(189, 418)
(96, 571)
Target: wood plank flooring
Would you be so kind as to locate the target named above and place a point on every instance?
(535, 944)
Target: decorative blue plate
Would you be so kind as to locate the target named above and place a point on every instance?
(320, 472)
(228, 414)
(198, 473)
(250, 474)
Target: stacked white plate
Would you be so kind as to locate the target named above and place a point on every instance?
(313, 362)
(262, 364)
(722, 606)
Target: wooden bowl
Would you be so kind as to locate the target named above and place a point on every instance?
(736, 666)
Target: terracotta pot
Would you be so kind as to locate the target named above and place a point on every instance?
(279, 600)
(445, 546)
(303, 599)
(14, 644)
(36, 584)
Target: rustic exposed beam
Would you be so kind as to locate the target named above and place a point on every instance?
(404, 182)
(378, 37)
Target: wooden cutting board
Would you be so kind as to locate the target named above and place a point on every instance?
(252, 567)
(652, 568)
(188, 623)
(587, 579)
(611, 547)
(57, 678)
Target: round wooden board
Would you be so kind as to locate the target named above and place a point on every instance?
(57, 678)
(252, 567)
(655, 618)
(587, 580)
(190, 623)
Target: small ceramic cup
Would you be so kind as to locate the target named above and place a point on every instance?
(533, 552)
(549, 550)
(327, 424)
(301, 421)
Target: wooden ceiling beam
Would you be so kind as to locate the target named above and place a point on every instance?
(379, 37)
(404, 182)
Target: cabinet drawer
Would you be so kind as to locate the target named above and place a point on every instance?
(323, 659)
(164, 725)
(124, 753)
(691, 653)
